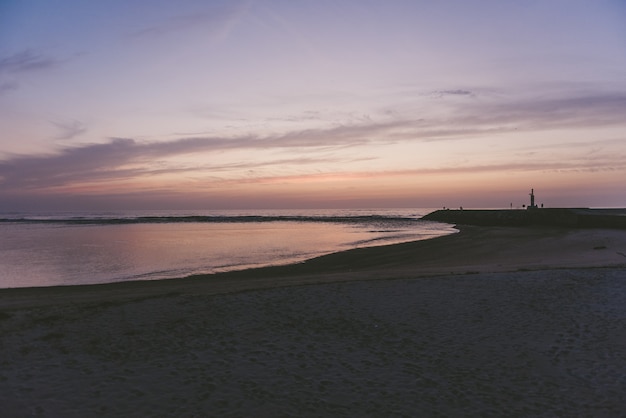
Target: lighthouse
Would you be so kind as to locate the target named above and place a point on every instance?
(532, 200)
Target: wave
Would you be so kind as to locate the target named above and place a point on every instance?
(397, 238)
(357, 219)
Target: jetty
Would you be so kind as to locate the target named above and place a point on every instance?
(533, 216)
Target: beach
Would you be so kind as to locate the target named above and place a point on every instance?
(491, 321)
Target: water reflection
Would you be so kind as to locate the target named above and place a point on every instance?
(55, 254)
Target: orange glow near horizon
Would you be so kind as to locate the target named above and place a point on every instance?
(475, 188)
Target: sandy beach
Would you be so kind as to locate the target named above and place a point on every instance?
(491, 321)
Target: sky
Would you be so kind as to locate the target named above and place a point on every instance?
(122, 104)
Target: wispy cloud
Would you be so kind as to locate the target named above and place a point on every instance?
(611, 163)
(7, 86)
(70, 165)
(126, 158)
(452, 92)
(569, 112)
(122, 158)
(69, 129)
(26, 60)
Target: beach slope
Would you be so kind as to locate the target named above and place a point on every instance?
(489, 322)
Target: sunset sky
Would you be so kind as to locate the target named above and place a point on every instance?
(193, 104)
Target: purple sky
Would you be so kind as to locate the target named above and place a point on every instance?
(284, 104)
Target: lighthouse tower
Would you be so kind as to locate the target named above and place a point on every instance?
(532, 200)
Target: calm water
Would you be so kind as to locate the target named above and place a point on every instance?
(46, 249)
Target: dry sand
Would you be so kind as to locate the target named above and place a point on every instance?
(487, 322)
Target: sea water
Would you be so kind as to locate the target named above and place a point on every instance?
(48, 249)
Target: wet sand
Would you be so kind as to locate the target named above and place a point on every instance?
(488, 322)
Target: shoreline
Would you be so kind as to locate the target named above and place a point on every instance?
(473, 250)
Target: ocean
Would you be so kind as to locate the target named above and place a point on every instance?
(73, 248)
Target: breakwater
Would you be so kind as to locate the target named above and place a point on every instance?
(566, 217)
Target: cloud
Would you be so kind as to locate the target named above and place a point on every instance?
(22, 62)
(455, 92)
(8, 86)
(25, 61)
(70, 129)
(533, 115)
(126, 158)
(544, 111)
(615, 163)
(70, 165)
